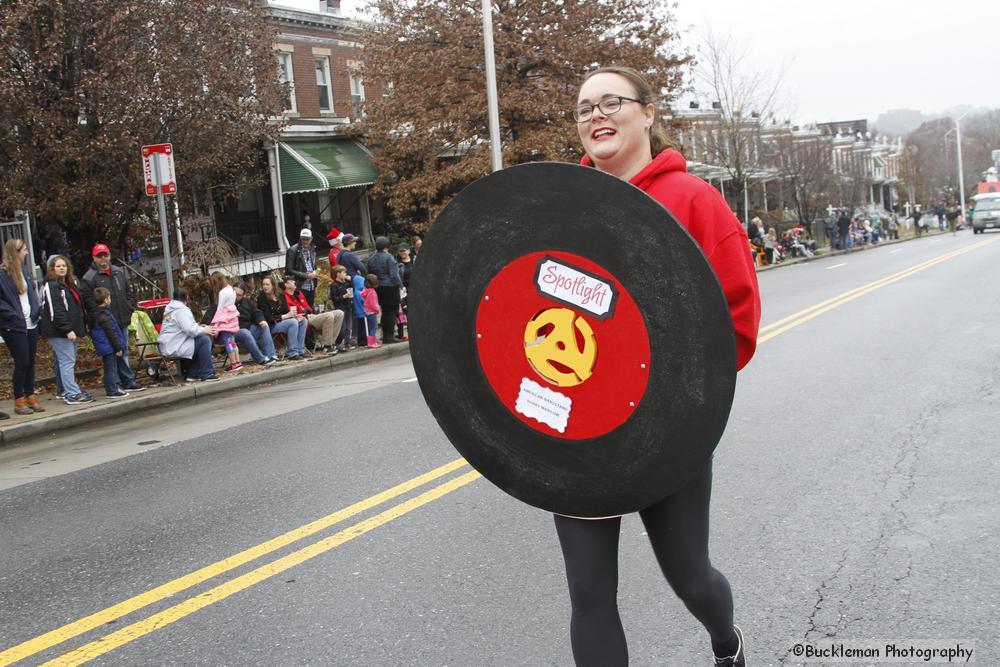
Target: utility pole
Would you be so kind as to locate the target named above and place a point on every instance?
(496, 156)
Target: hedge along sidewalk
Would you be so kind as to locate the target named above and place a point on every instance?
(19, 428)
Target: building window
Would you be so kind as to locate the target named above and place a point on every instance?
(357, 96)
(323, 88)
(286, 77)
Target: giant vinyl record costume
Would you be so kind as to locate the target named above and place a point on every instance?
(571, 339)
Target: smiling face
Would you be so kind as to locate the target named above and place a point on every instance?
(617, 143)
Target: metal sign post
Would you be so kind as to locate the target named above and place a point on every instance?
(158, 171)
(164, 232)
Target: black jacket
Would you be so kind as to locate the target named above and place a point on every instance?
(249, 313)
(295, 265)
(117, 283)
(338, 295)
(273, 310)
(11, 315)
(61, 312)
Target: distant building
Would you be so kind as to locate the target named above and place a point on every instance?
(858, 159)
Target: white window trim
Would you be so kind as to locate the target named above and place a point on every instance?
(357, 84)
(328, 83)
(290, 76)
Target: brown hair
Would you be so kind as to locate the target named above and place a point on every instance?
(219, 281)
(101, 295)
(70, 279)
(274, 288)
(12, 264)
(371, 280)
(658, 139)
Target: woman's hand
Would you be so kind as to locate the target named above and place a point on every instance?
(71, 335)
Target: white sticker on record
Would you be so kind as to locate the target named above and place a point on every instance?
(543, 405)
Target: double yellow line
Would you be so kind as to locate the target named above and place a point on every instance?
(199, 601)
(175, 613)
(779, 327)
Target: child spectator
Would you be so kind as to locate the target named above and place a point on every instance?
(358, 283)
(227, 319)
(405, 264)
(109, 342)
(341, 294)
(370, 297)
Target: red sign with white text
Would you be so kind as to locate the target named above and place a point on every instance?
(164, 156)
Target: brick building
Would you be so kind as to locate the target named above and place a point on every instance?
(319, 176)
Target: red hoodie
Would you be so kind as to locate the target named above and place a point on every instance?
(706, 216)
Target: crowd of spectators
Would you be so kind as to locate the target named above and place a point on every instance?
(281, 322)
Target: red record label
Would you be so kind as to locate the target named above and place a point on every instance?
(563, 345)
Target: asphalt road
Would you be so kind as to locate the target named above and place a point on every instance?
(854, 499)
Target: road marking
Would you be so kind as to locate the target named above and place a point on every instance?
(836, 266)
(893, 252)
(189, 606)
(87, 623)
(173, 614)
(768, 332)
(410, 380)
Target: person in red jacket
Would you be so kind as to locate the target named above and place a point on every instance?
(616, 120)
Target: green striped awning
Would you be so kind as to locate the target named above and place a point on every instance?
(328, 164)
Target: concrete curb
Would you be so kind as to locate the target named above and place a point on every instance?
(11, 431)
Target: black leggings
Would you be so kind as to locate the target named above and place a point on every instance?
(678, 531)
(23, 345)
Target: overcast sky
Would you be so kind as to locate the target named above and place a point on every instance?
(848, 59)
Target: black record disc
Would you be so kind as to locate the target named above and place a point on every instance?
(571, 339)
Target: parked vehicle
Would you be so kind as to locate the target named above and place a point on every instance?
(986, 213)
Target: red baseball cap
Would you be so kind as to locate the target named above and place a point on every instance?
(100, 249)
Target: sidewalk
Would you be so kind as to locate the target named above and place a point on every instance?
(59, 416)
(825, 251)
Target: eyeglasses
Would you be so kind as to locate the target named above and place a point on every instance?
(608, 106)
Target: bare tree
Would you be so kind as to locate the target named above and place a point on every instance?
(929, 171)
(84, 83)
(806, 163)
(744, 95)
(430, 129)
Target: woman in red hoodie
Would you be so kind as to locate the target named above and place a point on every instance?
(616, 119)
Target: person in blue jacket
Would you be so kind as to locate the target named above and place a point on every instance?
(358, 284)
(19, 325)
(109, 342)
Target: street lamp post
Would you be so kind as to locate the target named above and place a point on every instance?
(496, 155)
(958, 142)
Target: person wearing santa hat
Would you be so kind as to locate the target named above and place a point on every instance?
(335, 237)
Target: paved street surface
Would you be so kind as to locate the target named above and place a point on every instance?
(855, 497)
